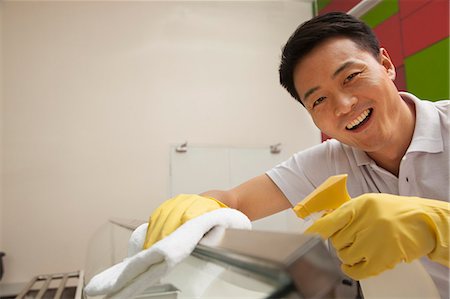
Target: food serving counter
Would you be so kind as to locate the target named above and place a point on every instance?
(242, 264)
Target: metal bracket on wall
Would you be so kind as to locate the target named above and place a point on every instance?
(275, 148)
(182, 148)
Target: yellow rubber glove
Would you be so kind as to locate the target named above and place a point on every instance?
(373, 232)
(174, 212)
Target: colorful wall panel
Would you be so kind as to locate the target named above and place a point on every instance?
(416, 36)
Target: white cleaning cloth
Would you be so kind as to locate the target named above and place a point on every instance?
(144, 268)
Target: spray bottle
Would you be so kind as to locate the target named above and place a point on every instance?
(394, 283)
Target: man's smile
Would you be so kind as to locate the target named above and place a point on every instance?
(361, 119)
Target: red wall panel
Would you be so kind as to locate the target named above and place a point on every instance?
(389, 35)
(407, 7)
(400, 78)
(425, 26)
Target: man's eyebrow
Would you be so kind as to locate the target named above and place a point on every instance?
(309, 92)
(336, 72)
(342, 67)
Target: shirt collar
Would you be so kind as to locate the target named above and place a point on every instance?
(361, 157)
(427, 135)
(427, 131)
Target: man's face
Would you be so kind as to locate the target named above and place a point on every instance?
(349, 93)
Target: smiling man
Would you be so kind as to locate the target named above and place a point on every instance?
(339, 96)
(393, 146)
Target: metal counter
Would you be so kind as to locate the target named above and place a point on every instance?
(239, 264)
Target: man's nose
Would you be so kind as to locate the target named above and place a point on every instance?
(344, 104)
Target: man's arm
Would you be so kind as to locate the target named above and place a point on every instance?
(257, 198)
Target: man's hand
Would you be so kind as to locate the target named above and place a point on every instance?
(374, 232)
(176, 211)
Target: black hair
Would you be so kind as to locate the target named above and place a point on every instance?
(311, 33)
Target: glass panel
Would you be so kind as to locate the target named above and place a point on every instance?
(241, 264)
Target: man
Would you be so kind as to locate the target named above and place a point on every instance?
(392, 145)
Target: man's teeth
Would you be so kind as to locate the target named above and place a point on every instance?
(358, 120)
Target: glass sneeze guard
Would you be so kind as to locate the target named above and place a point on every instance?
(239, 264)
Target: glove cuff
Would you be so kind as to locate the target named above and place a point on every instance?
(221, 204)
(439, 212)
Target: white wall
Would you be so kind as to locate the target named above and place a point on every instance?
(96, 92)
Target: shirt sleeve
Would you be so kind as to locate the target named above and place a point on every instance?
(304, 171)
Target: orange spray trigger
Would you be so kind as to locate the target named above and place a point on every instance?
(330, 195)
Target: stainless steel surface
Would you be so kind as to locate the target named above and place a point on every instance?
(260, 264)
(164, 291)
(281, 259)
(127, 223)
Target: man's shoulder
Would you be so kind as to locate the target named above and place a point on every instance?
(424, 101)
(329, 148)
(336, 144)
(438, 102)
(326, 145)
(441, 108)
(438, 110)
(442, 105)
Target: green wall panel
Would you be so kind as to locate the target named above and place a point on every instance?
(427, 72)
(380, 13)
(322, 3)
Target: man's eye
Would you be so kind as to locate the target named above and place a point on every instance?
(318, 101)
(351, 77)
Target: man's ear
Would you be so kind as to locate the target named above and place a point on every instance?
(386, 61)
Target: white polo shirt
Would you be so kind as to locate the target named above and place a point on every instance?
(424, 169)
